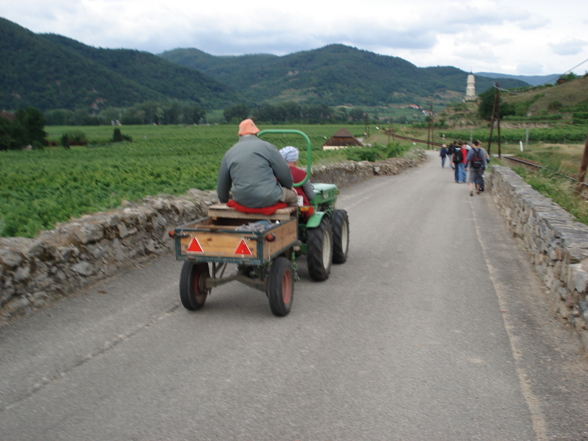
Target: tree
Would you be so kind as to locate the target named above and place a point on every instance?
(171, 114)
(317, 114)
(28, 127)
(192, 114)
(567, 77)
(341, 114)
(356, 114)
(486, 105)
(59, 117)
(237, 112)
(292, 111)
(6, 139)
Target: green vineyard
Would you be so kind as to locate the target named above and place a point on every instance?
(41, 187)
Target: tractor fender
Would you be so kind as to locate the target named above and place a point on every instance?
(315, 220)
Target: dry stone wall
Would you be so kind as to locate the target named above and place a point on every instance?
(34, 272)
(557, 245)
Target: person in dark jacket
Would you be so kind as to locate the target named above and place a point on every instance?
(254, 172)
(477, 159)
(443, 155)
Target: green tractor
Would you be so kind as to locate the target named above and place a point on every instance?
(266, 254)
(323, 230)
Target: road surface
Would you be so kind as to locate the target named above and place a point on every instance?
(436, 328)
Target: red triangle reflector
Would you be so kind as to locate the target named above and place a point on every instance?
(195, 246)
(243, 249)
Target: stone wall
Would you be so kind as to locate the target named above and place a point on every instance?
(34, 272)
(557, 245)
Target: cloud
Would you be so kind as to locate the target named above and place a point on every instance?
(568, 47)
(533, 22)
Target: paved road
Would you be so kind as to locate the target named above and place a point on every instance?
(436, 328)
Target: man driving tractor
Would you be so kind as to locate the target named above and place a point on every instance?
(254, 172)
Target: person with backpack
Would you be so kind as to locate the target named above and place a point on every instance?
(443, 154)
(450, 151)
(477, 161)
(457, 158)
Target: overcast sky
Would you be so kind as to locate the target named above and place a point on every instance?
(527, 37)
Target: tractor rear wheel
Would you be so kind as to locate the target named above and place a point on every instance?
(340, 225)
(280, 287)
(319, 250)
(193, 292)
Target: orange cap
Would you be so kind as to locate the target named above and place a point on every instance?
(248, 127)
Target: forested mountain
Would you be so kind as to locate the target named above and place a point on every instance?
(50, 72)
(334, 75)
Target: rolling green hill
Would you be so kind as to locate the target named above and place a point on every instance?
(50, 72)
(334, 75)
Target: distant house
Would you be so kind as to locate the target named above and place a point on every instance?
(342, 139)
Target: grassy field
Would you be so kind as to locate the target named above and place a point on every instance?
(41, 187)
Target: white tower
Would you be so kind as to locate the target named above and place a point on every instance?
(471, 88)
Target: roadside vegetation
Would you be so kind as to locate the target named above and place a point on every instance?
(558, 188)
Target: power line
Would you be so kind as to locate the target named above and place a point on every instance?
(526, 89)
(568, 71)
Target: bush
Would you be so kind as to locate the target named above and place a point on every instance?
(558, 188)
(117, 136)
(65, 141)
(554, 105)
(580, 115)
(74, 138)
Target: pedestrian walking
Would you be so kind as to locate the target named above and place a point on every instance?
(457, 158)
(443, 154)
(464, 153)
(450, 151)
(476, 160)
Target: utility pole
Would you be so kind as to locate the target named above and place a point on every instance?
(583, 167)
(498, 127)
(430, 131)
(494, 108)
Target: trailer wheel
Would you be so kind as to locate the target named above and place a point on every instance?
(340, 225)
(280, 288)
(319, 251)
(192, 289)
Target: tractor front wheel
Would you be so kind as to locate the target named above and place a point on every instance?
(340, 224)
(319, 250)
